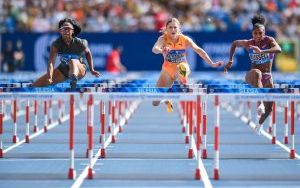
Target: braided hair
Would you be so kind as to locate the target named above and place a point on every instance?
(74, 23)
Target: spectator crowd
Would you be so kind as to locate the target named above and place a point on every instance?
(283, 16)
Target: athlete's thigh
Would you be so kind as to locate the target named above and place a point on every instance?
(81, 70)
(57, 76)
(41, 81)
(268, 83)
(164, 80)
(76, 64)
(253, 77)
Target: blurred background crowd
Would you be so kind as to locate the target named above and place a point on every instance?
(283, 16)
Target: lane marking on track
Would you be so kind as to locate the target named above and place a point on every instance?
(41, 131)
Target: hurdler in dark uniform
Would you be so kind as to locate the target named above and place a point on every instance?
(71, 51)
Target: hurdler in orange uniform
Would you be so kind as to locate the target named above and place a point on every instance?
(172, 45)
(176, 58)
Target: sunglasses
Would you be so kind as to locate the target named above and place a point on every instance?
(66, 29)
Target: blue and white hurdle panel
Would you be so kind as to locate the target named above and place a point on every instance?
(192, 102)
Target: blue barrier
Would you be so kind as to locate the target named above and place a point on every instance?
(137, 54)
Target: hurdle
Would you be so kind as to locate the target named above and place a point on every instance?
(285, 98)
(191, 114)
(71, 172)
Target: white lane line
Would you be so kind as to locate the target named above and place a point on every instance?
(204, 175)
(244, 119)
(84, 173)
(51, 126)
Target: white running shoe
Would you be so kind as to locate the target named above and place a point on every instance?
(258, 128)
(261, 109)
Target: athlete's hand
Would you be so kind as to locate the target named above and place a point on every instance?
(49, 81)
(165, 50)
(255, 48)
(227, 66)
(95, 73)
(218, 64)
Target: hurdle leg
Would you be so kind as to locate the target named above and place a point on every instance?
(274, 123)
(15, 137)
(204, 128)
(113, 126)
(187, 137)
(286, 125)
(292, 150)
(50, 119)
(71, 172)
(45, 117)
(102, 121)
(217, 137)
(35, 111)
(109, 116)
(1, 127)
(91, 138)
(190, 108)
(198, 137)
(27, 122)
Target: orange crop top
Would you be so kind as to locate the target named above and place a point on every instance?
(177, 53)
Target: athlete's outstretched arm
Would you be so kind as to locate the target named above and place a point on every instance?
(236, 43)
(158, 47)
(51, 62)
(202, 53)
(89, 59)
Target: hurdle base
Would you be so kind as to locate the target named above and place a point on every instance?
(102, 153)
(286, 140)
(27, 139)
(1, 153)
(187, 139)
(190, 153)
(71, 174)
(270, 130)
(120, 129)
(204, 154)
(87, 153)
(292, 154)
(15, 139)
(113, 139)
(183, 129)
(100, 139)
(45, 129)
(216, 174)
(91, 173)
(197, 174)
(273, 140)
(35, 129)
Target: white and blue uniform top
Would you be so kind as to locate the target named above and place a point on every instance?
(261, 58)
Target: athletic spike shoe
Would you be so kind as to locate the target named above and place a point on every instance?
(261, 109)
(182, 73)
(258, 128)
(73, 82)
(169, 106)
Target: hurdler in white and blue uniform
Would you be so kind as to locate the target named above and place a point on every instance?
(261, 50)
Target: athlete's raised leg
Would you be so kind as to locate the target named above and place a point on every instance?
(44, 80)
(164, 80)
